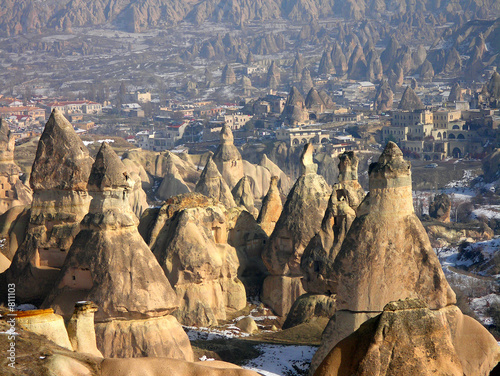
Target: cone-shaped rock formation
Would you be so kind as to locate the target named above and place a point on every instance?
(407, 338)
(299, 221)
(410, 101)
(385, 256)
(59, 180)
(13, 192)
(213, 185)
(172, 184)
(271, 207)
(228, 158)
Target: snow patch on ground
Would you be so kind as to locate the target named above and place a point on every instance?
(280, 360)
(87, 143)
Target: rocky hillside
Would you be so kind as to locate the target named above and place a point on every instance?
(136, 15)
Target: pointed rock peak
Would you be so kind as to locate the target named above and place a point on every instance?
(391, 151)
(170, 167)
(348, 166)
(226, 135)
(62, 161)
(307, 165)
(273, 183)
(108, 171)
(7, 143)
(294, 96)
(4, 131)
(210, 171)
(313, 98)
(410, 101)
(494, 85)
(390, 165)
(455, 93)
(273, 68)
(242, 194)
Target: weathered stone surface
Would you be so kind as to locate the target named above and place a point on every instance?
(154, 337)
(313, 101)
(213, 185)
(309, 307)
(109, 263)
(59, 180)
(172, 184)
(171, 367)
(13, 192)
(81, 330)
(410, 101)
(407, 338)
(280, 291)
(243, 196)
(440, 208)
(271, 207)
(299, 221)
(284, 183)
(294, 111)
(192, 249)
(386, 254)
(62, 161)
(319, 256)
(326, 66)
(306, 82)
(228, 158)
(249, 239)
(456, 93)
(13, 227)
(273, 76)
(247, 325)
(491, 166)
(228, 77)
(44, 322)
(384, 97)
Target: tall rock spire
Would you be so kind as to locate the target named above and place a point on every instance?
(59, 180)
(228, 158)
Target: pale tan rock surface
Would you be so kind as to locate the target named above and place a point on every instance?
(249, 239)
(271, 207)
(247, 325)
(385, 256)
(60, 201)
(109, 263)
(243, 196)
(228, 158)
(171, 367)
(284, 183)
(13, 192)
(440, 208)
(299, 221)
(46, 323)
(407, 338)
(172, 184)
(153, 337)
(192, 249)
(309, 307)
(213, 185)
(13, 227)
(81, 329)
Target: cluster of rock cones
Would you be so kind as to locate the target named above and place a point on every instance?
(362, 261)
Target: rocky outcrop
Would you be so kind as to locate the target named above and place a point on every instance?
(94, 266)
(172, 184)
(493, 90)
(284, 183)
(273, 76)
(110, 264)
(297, 67)
(456, 94)
(59, 179)
(385, 256)
(326, 66)
(294, 111)
(408, 338)
(306, 82)
(384, 97)
(426, 71)
(228, 158)
(314, 102)
(213, 185)
(271, 207)
(298, 223)
(228, 77)
(491, 166)
(191, 247)
(440, 208)
(243, 196)
(319, 255)
(81, 330)
(12, 192)
(410, 101)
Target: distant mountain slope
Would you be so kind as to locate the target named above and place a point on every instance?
(18, 16)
